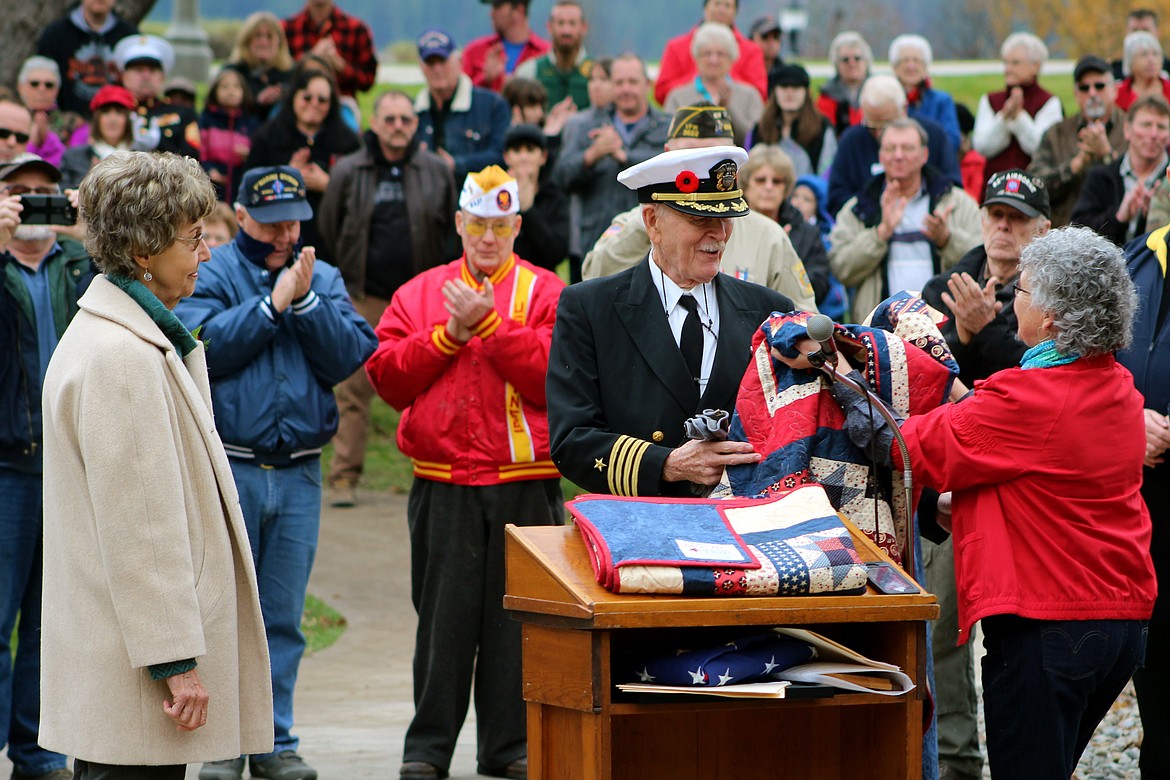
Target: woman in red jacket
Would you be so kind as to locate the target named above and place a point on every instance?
(1052, 538)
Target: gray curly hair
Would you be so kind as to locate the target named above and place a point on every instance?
(133, 204)
(1080, 279)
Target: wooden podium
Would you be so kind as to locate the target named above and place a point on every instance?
(579, 639)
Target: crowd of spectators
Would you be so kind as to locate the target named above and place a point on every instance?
(867, 184)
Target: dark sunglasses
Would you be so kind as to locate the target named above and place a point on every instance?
(45, 84)
(1097, 85)
(5, 134)
(851, 58)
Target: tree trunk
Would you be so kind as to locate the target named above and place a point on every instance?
(22, 22)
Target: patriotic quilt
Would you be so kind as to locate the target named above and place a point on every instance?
(792, 416)
(777, 545)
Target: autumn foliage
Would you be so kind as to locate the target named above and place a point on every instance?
(1070, 27)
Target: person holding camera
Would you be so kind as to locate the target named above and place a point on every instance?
(44, 274)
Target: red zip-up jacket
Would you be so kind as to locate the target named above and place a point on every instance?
(472, 413)
(1046, 467)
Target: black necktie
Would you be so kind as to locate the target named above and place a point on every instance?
(691, 342)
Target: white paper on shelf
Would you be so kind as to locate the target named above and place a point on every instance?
(819, 672)
(760, 690)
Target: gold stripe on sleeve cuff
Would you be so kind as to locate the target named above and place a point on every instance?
(443, 342)
(625, 459)
(488, 325)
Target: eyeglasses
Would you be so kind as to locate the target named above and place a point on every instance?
(1017, 290)
(20, 189)
(5, 134)
(477, 228)
(398, 120)
(1097, 85)
(46, 84)
(848, 58)
(876, 125)
(192, 242)
(307, 98)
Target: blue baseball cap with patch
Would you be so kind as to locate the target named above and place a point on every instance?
(275, 194)
(435, 43)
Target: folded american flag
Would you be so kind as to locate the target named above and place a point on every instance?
(745, 660)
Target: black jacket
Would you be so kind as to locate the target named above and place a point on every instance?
(1100, 197)
(618, 388)
(992, 349)
(70, 272)
(806, 240)
(85, 57)
(544, 234)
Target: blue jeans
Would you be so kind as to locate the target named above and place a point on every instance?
(282, 510)
(20, 592)
(1046, 686)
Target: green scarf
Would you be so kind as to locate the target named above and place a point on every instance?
(1045, 355)
(166, 320)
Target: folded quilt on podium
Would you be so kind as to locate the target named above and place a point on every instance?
(795, 545)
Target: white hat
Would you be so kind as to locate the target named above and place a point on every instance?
(144, 47)
(701, 182)
(490, 193)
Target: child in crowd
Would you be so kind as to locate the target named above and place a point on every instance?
(219, 227)
(225, 128)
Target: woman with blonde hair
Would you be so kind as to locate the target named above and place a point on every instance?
(262, 57)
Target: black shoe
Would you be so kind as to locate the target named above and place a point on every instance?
(285, 765)
(516, 770)
(420, 770)
(230, 769)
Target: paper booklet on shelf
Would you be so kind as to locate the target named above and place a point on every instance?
(840, 667)
(759, 690)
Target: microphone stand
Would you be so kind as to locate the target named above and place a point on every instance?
(828, 364)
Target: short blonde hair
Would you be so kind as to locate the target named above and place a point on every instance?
(133, 204)
(767, 155)
(241, 52)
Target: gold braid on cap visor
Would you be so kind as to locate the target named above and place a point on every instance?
(695, 196)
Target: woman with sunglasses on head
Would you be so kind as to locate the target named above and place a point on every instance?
(309, 134)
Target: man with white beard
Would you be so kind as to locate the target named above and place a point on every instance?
(43, 276)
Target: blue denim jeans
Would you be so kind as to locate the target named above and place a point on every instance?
(282, 509)
(1046, 686)
(20, 592)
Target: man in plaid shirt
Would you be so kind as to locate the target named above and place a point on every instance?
(344, 40)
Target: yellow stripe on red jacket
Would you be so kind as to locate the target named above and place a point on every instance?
(473, 412)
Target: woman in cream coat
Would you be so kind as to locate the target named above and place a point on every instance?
(153, 650)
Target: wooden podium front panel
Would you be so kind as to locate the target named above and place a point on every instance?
(579, 641)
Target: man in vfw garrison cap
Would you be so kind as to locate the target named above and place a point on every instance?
(636, 354)
(759, 249)
(462, 353)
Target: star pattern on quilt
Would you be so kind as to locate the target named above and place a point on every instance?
(645, 675)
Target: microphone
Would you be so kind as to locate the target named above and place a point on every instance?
(820, 329)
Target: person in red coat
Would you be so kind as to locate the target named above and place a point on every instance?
(463, 350)
(1052, 538)
(491, 59)
(678, 66)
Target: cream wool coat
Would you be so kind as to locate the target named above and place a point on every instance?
(146, 554)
